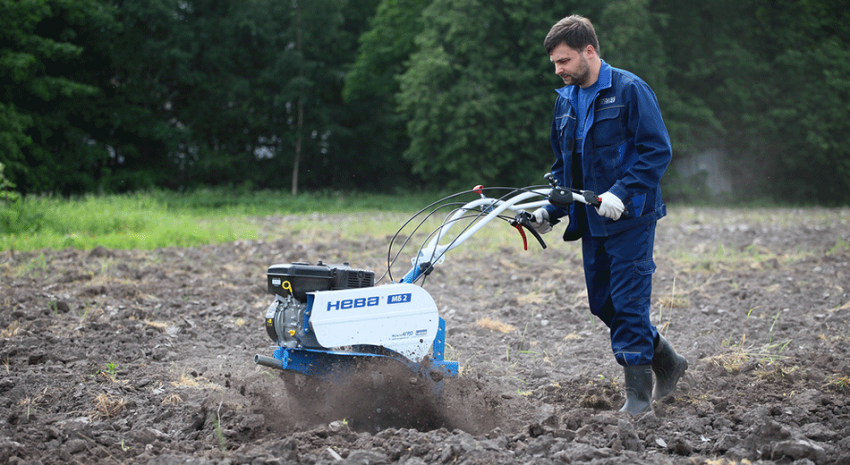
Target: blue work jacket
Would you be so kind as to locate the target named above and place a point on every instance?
(625, 147)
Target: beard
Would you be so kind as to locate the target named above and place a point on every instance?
(579, 77)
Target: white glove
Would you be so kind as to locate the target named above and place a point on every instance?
(540, 221)
(610, 206)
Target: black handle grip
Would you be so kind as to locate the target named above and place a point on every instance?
(591, 198)
(560, 197)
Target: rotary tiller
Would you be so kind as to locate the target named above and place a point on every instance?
(327, 320)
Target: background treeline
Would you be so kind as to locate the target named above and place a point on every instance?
(116, 96)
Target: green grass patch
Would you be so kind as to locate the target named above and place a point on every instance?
(163, 219)
(120, 222)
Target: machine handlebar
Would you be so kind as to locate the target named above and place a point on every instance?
(481, 211)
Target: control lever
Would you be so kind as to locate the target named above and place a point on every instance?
(523, 219)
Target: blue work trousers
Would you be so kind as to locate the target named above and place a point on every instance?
(618, 271)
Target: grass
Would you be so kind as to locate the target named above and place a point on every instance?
(838, 382)
(741, 353)
(107, 406)
(12, 330)
(157, 219)
(768, 217)
(717, 255)
(219, 433)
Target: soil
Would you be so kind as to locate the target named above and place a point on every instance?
(114, 356)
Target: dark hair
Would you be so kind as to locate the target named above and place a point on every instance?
(575, 31)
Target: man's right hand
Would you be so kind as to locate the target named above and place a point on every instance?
(610, 206)
(540, 221)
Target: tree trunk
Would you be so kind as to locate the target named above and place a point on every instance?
(300, 123)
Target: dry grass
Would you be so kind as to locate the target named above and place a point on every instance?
(571, 336)
(172, 399)
(12, 330)
(186, 382)
(106, 406)
(777, 374)
(673, 301)
(194, 382)
(495, 325)
(160, 325)
(531, 298)
(731, 361)
(741, 354)
(838, 383)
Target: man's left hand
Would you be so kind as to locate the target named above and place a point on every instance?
(610, 206)
(540, 221)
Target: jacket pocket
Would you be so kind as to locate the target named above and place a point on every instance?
(638, 202)
(608, 127)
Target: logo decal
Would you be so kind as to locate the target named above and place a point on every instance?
(354, 303)
(399, 298)
(608, 101)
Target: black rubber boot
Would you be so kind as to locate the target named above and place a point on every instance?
(638, 389)
(668, 367)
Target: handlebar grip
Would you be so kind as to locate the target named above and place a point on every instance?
(592, 199)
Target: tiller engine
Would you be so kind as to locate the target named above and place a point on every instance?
(320, 307)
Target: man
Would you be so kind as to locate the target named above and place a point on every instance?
(609, 137)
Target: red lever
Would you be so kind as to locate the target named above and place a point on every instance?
(478, 189)
(522, 233)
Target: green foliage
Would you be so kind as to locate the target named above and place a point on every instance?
(46, 71)
(10, 200)
(772, 76)
(817, 164)
(208, 97)
(384, 49)
(475, 94)
(7, 189)
(379, 134)
(633, 37)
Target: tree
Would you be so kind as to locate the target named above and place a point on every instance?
(633, 38)
(477, 93)
(47, 75)
(304, 85)
(378, 133)
(764, 70)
